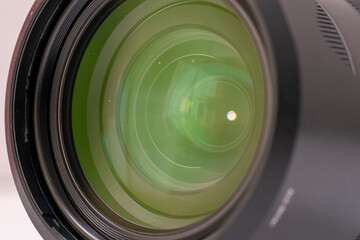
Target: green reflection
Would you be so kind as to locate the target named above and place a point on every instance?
(167, 110)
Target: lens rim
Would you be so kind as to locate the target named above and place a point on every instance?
(71, 172)
(20, 152)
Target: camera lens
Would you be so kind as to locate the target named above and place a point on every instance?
(187, 119)
(168, 109)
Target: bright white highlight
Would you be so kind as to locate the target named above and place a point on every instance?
(231, 116)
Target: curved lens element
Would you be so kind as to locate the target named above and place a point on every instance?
(168, 109)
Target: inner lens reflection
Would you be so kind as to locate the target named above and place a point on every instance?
(167, 111)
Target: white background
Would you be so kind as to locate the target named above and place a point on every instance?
(14, 222)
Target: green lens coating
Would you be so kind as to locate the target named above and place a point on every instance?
(168, 110)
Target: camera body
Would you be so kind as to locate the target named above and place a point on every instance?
(307, 185)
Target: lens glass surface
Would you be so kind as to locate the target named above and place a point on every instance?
(168, 109)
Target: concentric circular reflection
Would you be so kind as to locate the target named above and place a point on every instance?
(168, 108)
